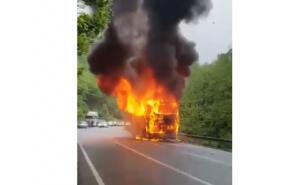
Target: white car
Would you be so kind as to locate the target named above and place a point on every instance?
(110, 123)
(102, 123)
(83, 124)
(121, 123)
(118, 123)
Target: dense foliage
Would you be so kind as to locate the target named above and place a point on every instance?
(206, 107)
(89, 97)
(90, 28)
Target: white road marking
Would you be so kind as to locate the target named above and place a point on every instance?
(207, 158)
(92, 167)
(163, 164)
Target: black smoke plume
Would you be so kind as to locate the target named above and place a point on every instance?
(146, 33)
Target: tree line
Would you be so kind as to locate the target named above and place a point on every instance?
(89, 30)
(206, 107)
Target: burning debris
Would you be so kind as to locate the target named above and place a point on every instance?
(143, 61)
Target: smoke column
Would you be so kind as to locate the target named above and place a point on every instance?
(146, 34)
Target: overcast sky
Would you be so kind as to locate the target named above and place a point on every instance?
(212, 34)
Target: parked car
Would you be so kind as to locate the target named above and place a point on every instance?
(112, 123)
(83, 124)
(120, 123)
(117, 123)
(102, 123)
(109, 123)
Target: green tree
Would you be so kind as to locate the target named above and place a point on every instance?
(206, 107)
(89, 29)
(89, 97)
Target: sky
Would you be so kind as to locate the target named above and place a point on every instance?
(212, 34)
(82, 8)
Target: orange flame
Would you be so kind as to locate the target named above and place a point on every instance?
(150, 101)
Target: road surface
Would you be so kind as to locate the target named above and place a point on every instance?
(108, 156)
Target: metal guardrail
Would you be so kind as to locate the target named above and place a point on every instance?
(206, 138)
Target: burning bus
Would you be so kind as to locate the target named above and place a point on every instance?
(162, 122)
(143, 61)
(156, 123)
(149, 106)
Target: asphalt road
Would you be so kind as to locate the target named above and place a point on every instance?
(109, 156)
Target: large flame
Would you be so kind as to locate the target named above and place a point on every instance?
(149, 101)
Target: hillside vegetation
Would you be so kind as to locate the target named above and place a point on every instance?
(206, 107)
(90, 28)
